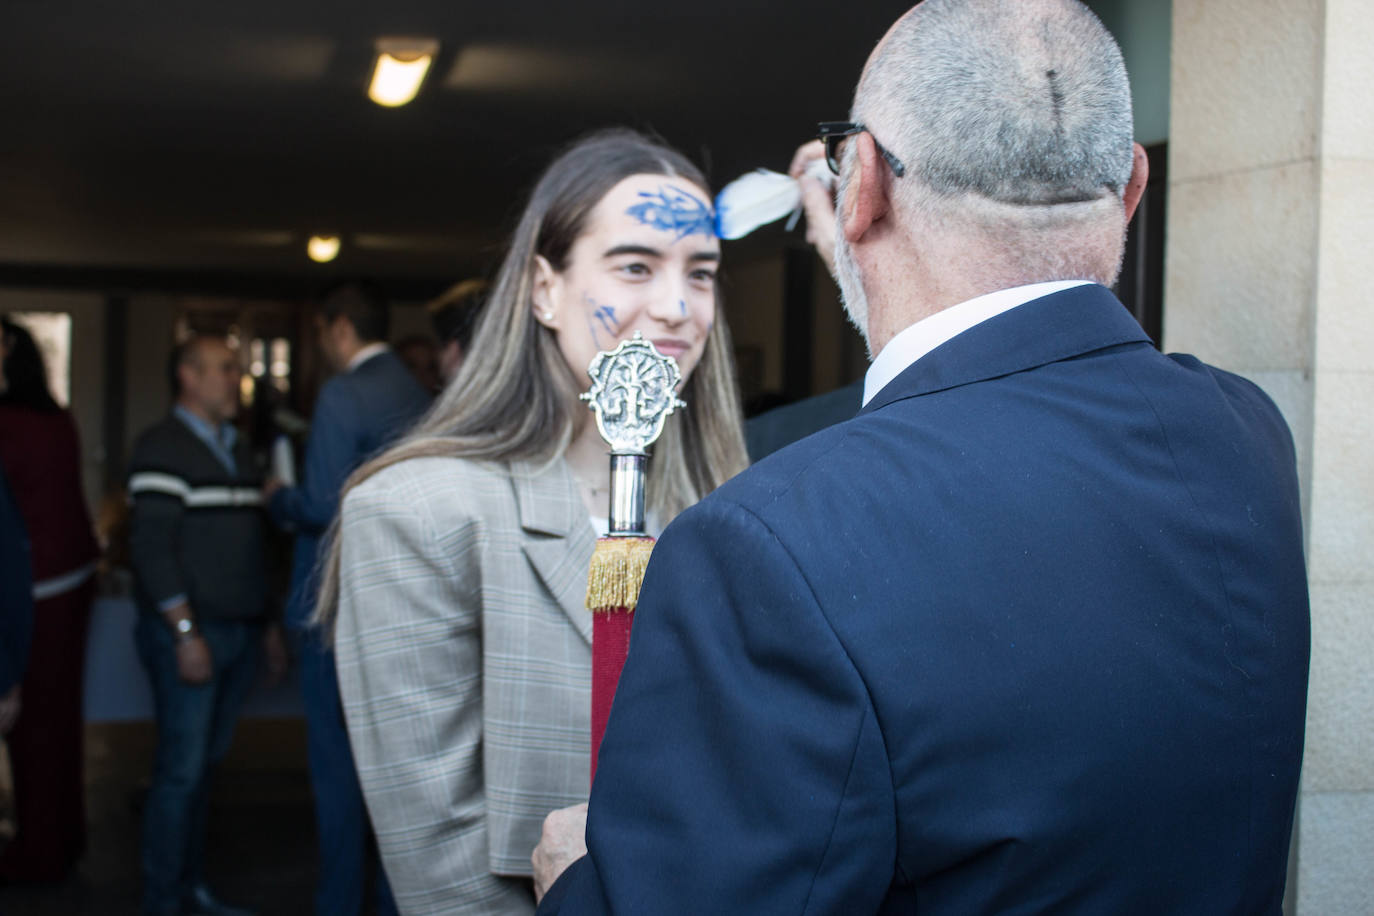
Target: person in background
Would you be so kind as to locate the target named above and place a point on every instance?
(454, 317)
(196, 544)
(1030, 633)
(372, 399)
(420, 354)
(459, 573)
(16, 606)
(41, 456)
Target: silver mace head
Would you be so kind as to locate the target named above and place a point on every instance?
(634, 389)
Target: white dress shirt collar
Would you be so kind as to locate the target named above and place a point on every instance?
(934, 330)
(365, 354)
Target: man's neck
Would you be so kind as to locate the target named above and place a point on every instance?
(928, 280)
(917, 296)
(361, 353)
(200, 412)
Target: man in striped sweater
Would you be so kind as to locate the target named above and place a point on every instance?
(197, 543)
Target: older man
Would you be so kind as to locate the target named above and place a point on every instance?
(1030, 633)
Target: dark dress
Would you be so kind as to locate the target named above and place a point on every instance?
(42, 459)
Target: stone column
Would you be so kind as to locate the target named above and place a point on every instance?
(1270, 238)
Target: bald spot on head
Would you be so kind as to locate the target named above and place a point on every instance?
(1014, 118)
(1022, 103)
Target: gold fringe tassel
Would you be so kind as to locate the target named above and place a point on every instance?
(616, 573)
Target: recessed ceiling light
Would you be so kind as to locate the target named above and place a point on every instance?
(400, 69)
(322, 248)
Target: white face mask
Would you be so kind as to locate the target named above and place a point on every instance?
(846, 270)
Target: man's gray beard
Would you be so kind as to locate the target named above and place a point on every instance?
(851, 283)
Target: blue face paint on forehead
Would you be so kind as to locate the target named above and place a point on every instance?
(674, 210)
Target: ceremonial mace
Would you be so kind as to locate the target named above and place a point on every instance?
(633, 391)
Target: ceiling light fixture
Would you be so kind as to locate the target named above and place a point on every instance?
(400, 69)
(322, 248)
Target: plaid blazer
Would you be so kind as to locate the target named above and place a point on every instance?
(464, 659)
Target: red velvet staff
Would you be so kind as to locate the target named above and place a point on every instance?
(633, 392)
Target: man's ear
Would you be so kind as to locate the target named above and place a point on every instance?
(866, 199)
(546, 293)
(1140, 176)
(186, 376)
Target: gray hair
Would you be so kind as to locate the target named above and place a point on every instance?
(1024, 103)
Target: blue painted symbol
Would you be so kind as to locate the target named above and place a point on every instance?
(674, 210)
(606, 315)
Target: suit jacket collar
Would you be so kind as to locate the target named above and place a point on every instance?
(366, 353)
(1046, 330)
(558, 535)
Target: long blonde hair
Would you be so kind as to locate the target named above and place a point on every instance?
(515, 397)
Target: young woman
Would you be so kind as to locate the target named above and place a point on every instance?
(42, 460)
(458, 573)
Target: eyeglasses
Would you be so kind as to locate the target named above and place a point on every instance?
(833, 132)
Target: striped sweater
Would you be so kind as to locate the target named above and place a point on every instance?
(196, 530)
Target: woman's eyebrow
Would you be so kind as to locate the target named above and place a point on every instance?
(650, 252)
(633, 249)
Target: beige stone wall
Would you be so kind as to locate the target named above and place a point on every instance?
(1271, 231)
(1336, 837)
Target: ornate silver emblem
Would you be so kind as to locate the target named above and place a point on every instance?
(633, 390)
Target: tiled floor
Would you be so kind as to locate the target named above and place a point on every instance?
(262, 838)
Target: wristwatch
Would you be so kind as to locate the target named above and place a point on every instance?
(185, 629)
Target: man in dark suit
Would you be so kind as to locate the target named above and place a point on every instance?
(1027, 635)
(371, 400)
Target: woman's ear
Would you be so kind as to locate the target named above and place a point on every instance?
(546, 293)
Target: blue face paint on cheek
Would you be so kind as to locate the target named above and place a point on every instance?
(606, 315)
(682, 306)
(674, 210)
(603, 315)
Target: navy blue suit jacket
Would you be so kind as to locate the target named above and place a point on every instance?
(1027, 635)
(357, 414)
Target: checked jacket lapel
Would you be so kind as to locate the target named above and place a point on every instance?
(558, 538)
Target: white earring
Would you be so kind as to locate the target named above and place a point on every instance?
(548, 316)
